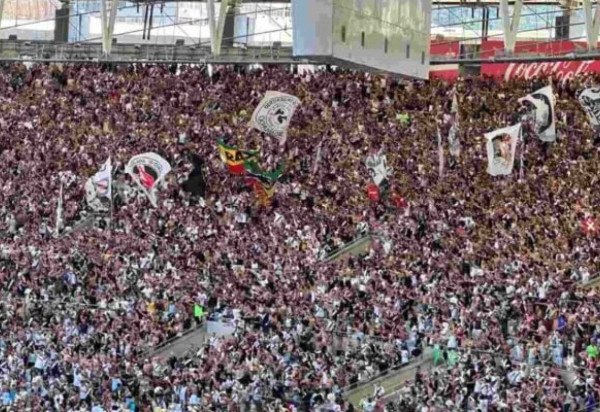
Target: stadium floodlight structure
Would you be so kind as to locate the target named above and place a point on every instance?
(108, 23)
(559, 22)
(592, 23)
(510, 23)
(216, 25)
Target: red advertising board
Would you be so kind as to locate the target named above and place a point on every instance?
(448, 49)
(560, 70)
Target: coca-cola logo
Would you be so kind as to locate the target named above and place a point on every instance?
(562, 70)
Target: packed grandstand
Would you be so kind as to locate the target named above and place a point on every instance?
(487, 282)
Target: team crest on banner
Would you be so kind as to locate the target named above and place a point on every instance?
(545, 118)
(378, 168)
(501, 147)
(274, 113)
(147, 170)
(590, 101)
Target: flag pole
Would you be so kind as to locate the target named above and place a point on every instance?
(440, 154)
(110, 182)
(521, 153)
(110, 219)
(59, 208)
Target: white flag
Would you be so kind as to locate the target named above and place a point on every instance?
(274, 113)
(545, 118)
(501, 147)
(453, 142)
(99, 187)
(147, 170)
(454, 107)
(377, 167)
(590, 101)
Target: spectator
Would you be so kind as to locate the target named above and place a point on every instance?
(485, 268)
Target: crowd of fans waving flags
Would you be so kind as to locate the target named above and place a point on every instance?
(475, 264)
(147, 170)
(501, 144)
(273, 115)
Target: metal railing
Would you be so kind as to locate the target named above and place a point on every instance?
(48, 51)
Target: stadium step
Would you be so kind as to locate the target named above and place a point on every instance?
(593, 283)
(360, 246)
(181, 345)
(392, 381)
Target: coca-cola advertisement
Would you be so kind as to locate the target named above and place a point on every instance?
(560, 70)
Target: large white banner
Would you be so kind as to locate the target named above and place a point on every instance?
(590, 101)
(274, 113)
(99, 187)
(545, 118)
(147, 170)
(377, 167)
(501, 147)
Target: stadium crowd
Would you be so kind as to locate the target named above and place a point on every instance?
(488, 271)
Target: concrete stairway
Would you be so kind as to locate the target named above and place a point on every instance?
(592, 284)
(391, 381)
(179, 346)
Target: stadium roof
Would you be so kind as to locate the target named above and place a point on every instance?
(437, 2)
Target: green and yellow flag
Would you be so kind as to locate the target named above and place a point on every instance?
(261, 181)
(234, 158)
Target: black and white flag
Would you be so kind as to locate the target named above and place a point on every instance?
(99, 187)
(590, 101)
(501, 147)
(544, 115)
(377, 167)
(274, 113)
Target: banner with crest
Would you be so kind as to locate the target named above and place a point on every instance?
(147, 170)
(274, 113)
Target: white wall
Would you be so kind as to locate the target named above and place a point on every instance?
(313, 22)
(390, 35)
